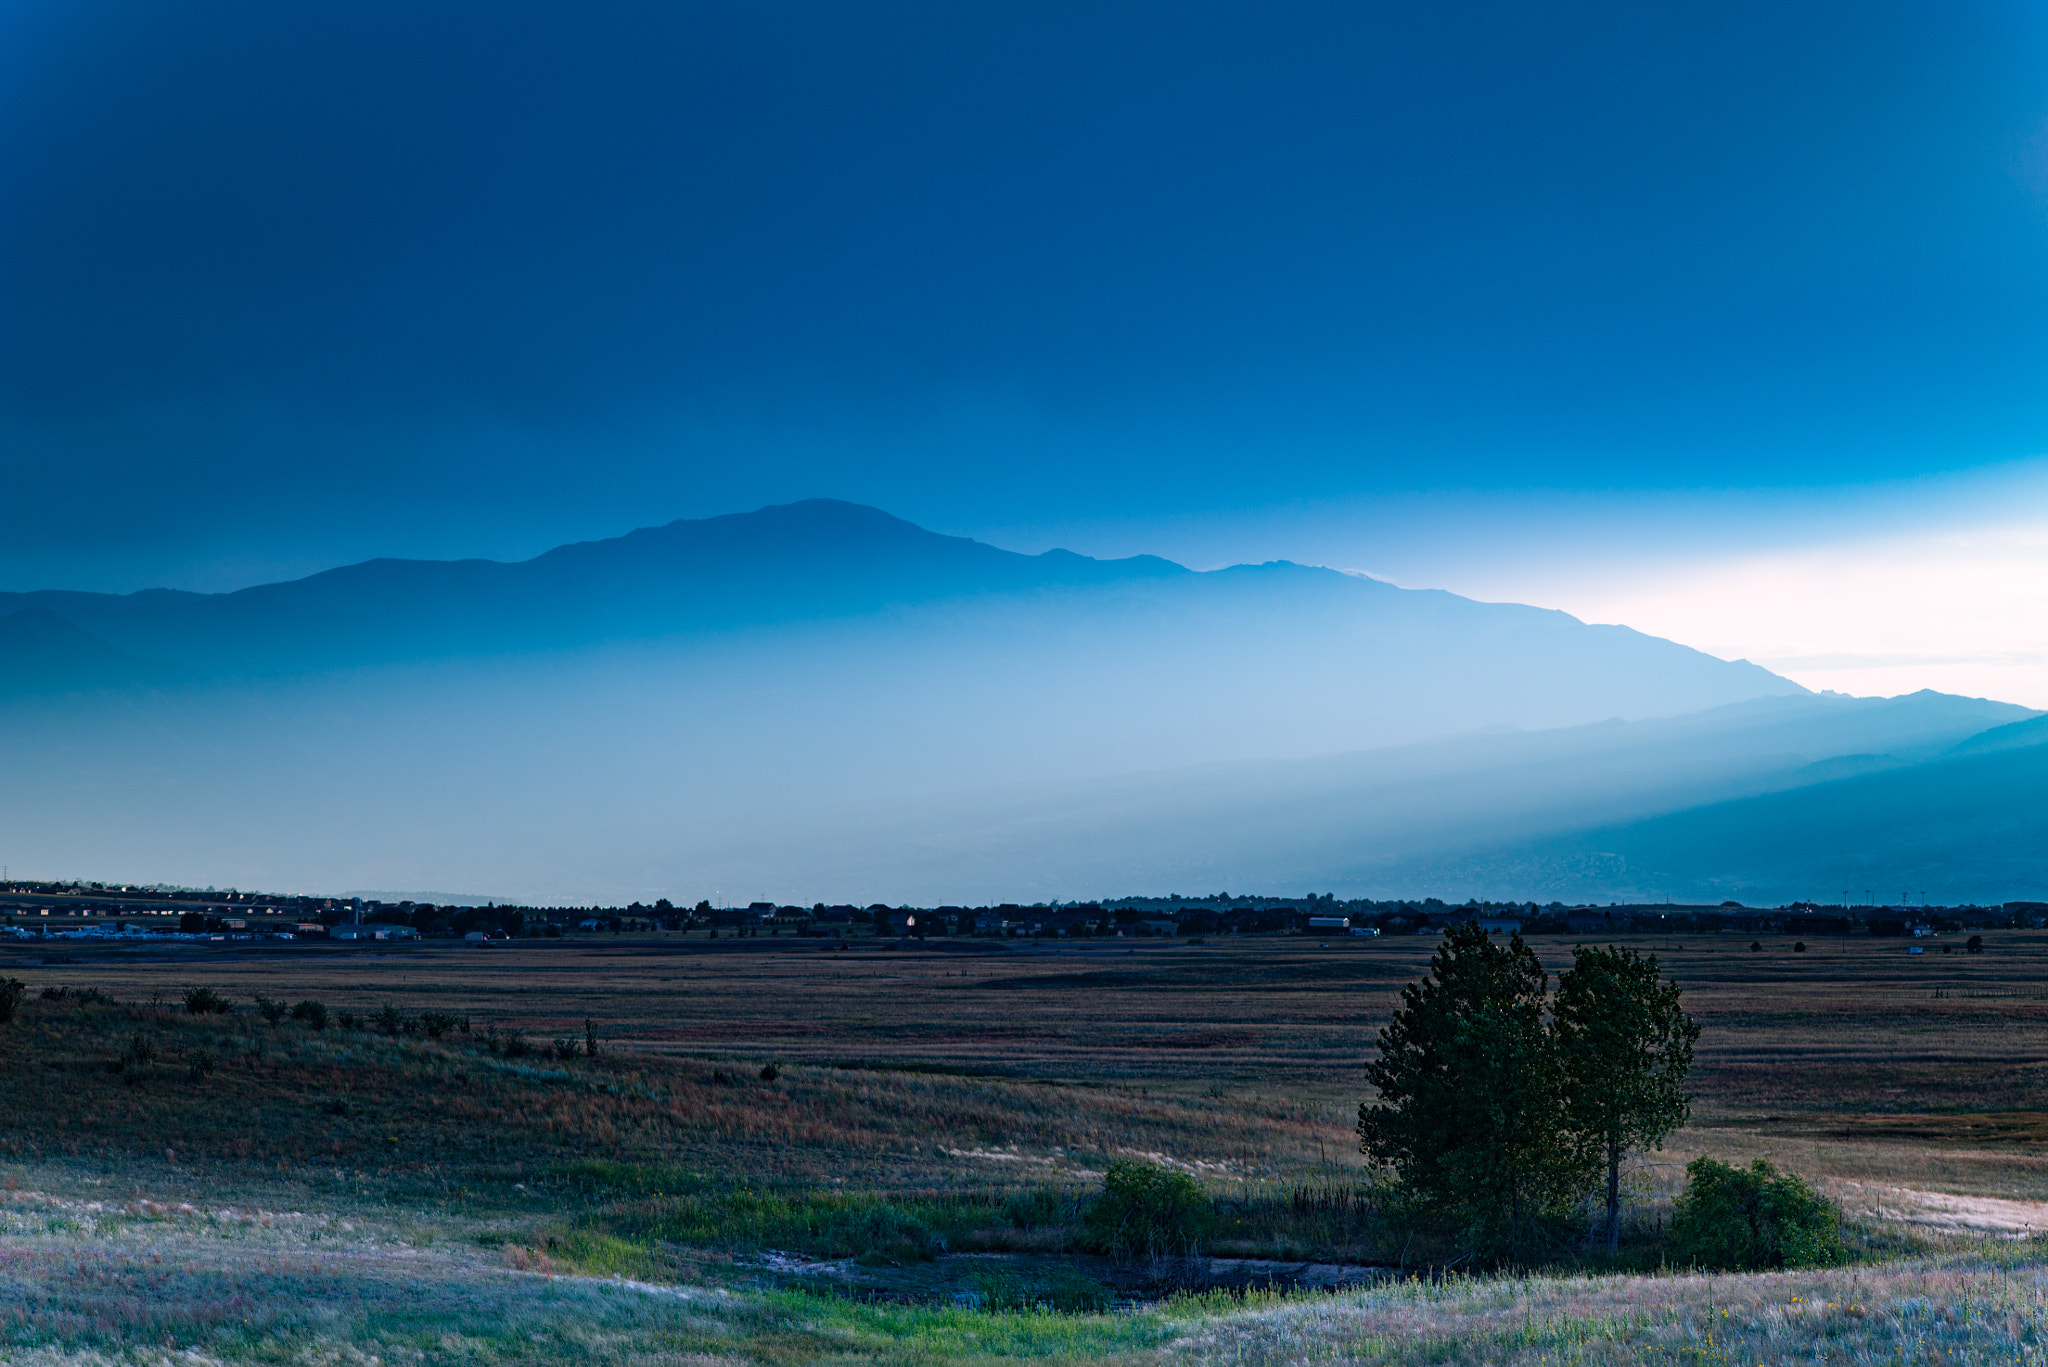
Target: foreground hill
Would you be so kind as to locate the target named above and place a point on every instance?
(221, 1188)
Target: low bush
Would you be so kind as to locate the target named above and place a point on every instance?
(12, 990)
(312, 1013)
(141, 1049)
(1029, 1210)
(271, 1009)
(1147, 1210)
(1750, 1219)
(202, 1066)
(887, 1234)
(204, 1001)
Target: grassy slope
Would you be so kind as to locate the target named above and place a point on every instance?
(453, 1167)
(448, 1109)
(89, 1276)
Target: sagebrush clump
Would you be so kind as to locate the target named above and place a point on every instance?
(1753, 1219)
(1148, 1210)
(204, 1001)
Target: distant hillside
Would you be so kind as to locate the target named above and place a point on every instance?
(2013, 736)
(1972, 826)
(1320, 646)
(1494, 814)
(793, 702)
(41, 652)
(802, 562)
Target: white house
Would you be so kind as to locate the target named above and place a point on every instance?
(375, 930)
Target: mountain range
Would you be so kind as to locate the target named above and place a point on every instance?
(821, 562)
(820, 700)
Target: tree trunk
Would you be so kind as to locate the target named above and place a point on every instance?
(1613, 1198)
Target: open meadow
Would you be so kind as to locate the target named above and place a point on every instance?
(785, 1150)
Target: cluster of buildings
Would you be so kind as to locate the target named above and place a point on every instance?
(96, 911)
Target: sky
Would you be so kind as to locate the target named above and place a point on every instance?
(1729, 321)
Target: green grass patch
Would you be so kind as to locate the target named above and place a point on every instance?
(937, 1334)
(881, 1229)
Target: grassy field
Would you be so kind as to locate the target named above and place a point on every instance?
(430, 1190)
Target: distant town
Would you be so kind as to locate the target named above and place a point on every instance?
(96, 911)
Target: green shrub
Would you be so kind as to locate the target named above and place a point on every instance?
(141, 1049)
(389, 1020)
(1757, 1218)
(1034, 1209)
(885, 1234)
(203, 1001)
(203, 1064)
(272, 1009)
(1147, 1210)
(312, 1013)
(438, 1023)
(12, 990)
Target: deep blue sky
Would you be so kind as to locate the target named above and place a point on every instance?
(288, 284)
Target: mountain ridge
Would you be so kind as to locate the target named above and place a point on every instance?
(803, 563)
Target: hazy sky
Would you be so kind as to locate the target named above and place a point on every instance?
(1729, 320)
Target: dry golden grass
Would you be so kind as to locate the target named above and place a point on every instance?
(1910, 1085)
(1851, 1048)
(975, 1064)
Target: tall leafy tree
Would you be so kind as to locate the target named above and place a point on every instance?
(1623, 1048)
(1470, 1111)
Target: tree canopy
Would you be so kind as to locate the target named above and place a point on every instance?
(1623, 1048)
(1471, 1100)
(1499, 1122)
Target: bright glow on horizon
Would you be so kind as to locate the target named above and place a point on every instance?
(1961, 611)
